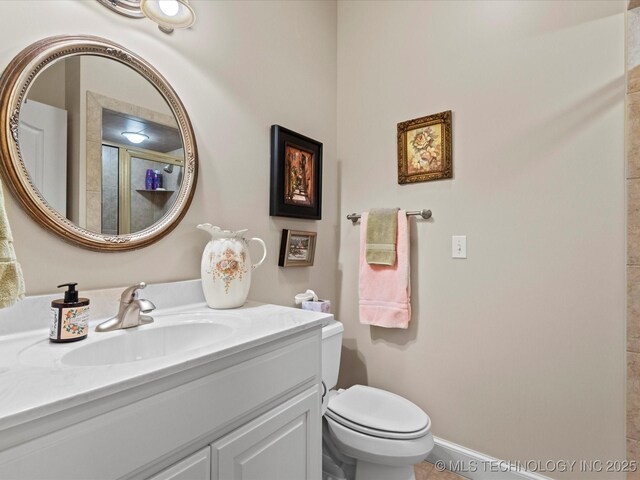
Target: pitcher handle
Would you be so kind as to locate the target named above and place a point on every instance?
(264, 255)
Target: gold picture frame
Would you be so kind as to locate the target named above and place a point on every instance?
(297, 248)
(424, 149)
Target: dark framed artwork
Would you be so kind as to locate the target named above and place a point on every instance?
(296, 175)
(297, 248)
(424, 149)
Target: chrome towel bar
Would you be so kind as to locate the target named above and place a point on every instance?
(424, 213)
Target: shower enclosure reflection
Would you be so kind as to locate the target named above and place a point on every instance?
(127, 205)
(128, 202)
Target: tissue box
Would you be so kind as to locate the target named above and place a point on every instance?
(323, 306)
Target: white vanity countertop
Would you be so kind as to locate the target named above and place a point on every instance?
(34, 382)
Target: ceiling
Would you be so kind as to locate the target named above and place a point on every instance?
(161, 137)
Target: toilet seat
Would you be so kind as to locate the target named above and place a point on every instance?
(378, 413)
(378, 450)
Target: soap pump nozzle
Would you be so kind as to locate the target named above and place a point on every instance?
(71, 294)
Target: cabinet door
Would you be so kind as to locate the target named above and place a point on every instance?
(194, 467)
(283, 444)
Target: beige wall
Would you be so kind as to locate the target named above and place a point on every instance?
(243, 67)
(518, 351)
(49, 87)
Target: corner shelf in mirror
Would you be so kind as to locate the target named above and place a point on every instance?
(38, 61)
(144, 190)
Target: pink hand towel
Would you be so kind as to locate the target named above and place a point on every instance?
(385, 292)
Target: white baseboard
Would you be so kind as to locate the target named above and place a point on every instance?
(475, 465)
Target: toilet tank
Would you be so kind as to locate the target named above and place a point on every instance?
(331, 350)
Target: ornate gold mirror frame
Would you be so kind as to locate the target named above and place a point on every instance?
(14, 84)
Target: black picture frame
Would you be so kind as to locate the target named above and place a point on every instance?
(296, 187)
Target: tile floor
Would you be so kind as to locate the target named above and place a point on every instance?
(427, 471)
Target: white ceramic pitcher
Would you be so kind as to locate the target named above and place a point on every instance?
(226, 267)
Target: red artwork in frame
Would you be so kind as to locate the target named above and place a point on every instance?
(296, 175)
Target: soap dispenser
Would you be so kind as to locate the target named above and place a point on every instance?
(69, 316)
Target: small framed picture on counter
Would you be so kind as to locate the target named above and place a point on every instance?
(297, 248)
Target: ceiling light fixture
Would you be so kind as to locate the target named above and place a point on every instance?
(135, 137)
(169, 7)
(168, 14)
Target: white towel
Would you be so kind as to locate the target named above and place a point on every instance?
(11, 279)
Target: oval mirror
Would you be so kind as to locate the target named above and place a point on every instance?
(96, 145)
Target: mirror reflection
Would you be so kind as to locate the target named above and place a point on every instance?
(101, 145)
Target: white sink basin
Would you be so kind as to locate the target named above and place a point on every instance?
(170, 335)
(134, 345)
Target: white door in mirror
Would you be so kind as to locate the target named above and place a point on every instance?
(43, 142)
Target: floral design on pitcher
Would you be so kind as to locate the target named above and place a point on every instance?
(228, 268)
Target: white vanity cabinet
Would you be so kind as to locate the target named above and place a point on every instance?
(283, 444)
(252, 413)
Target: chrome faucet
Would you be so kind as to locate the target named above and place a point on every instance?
(130, 311)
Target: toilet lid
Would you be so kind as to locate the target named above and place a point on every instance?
(377, 412)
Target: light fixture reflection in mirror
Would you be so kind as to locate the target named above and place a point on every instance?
(135, 137)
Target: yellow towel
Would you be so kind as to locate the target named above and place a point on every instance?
(11, 279)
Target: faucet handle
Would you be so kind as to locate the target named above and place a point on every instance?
(129, 294)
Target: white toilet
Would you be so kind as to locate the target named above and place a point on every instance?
(371, 434)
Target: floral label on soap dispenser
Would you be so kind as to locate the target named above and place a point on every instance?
(74, 322)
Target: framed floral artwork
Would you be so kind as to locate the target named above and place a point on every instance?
(424, 149)
(297, 248)
(296, 175)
